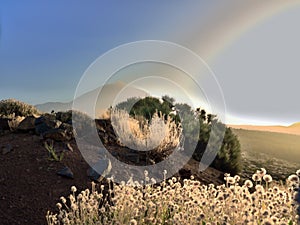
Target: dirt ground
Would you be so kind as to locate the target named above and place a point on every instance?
(29, 185)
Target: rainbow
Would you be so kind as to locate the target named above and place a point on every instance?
(226, 26)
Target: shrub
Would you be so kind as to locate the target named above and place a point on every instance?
(147, 107)
(196, 125)
(53, 155)
(188, 202)
(139, 133)
(12, 108)
(228, 157)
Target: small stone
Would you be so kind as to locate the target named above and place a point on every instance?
(66, 172)
(93, 175)
(7, 149)
(99, 170)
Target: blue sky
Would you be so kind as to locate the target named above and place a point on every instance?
(253, 47)
(47, 45)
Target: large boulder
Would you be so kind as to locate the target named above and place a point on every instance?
(46, 123)
(27, 124)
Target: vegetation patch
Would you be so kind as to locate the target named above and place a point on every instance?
(12, 108)
(256, 201)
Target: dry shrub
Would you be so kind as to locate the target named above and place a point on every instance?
(11, 108)
(140, 134)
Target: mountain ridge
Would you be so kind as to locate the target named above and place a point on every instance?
(291, 129)
(109, 93)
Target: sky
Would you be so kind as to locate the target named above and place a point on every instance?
(251, 46)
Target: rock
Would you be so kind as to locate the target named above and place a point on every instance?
(65, 117)
(27, 124)
(14, 123)
(46, 123)
(56, 134)
(66, 172)
(4, 124)
(99, 170)
(185, 173)
(7, 149)
(68, 128)
(93, 175)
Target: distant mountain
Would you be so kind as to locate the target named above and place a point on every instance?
(295, 125)
(292, 129)
(56, 106)
(109, 93)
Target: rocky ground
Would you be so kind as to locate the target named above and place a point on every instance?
(30, 183)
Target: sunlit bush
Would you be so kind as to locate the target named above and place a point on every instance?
(12, 108)
(184, 202)
(199, 129)
(141, 134)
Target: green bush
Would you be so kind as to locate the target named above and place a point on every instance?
(229, 156)
(193, 122)
(147, 107)
(13, 108)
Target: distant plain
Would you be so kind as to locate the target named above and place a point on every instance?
(276, 148)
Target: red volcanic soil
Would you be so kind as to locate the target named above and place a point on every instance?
(29, 185)
(28, 181)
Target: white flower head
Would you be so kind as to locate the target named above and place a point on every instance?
(73, 189)
(293, 179)
(267, 178)
(248, 183)
(256, 177)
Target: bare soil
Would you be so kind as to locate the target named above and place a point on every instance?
(29, 185)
